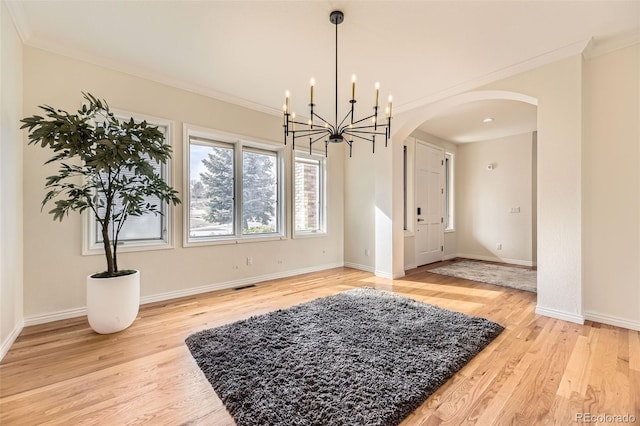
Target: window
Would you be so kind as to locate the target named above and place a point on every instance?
(149, 231)
(309, 195)
(234, 189)
(211, 189)
(448, 192)
(405, 190)
(259, 191)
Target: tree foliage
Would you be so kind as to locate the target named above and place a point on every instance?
(98, 148)
(197, 189)
(258, 187)
(218, 183)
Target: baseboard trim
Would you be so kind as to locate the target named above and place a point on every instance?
(450, 256)
(561, 315)
(55, 316)
(495, 259)
(360, 267)
(234, 284)
(9, 341)
(389, 275)
(398, 275)
(410, 266)
(612, 320)
(79, 312)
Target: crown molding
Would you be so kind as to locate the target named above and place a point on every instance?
(573, 49)
(147, 74)
(16, 11)
(599, 47)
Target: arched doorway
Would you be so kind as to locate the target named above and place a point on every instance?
(521, 212)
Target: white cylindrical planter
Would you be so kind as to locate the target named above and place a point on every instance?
(113, 303)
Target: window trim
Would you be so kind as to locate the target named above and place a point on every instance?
(90, 246)
(239, 143)
(449, 185)
(410, 143)
(315, 156)
(405, 188)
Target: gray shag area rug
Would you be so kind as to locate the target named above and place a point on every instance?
(361, 357)
(506, 276)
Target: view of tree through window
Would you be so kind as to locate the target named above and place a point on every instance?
(212, 191)
(214, 182)
(259, 192)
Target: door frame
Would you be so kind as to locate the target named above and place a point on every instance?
(415, 198)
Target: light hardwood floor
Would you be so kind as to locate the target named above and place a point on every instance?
(538, 371)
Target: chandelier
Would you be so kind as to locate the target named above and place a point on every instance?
(349, 129)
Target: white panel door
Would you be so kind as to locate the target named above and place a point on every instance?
(429, 203)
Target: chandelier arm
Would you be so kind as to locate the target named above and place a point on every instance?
(349, 114)
(372, 140)
(370, 126)
(317, 139)
(369, 117)
(360, 134)
(307, 133)
(355, 135)
(331, 126)
(311, 142)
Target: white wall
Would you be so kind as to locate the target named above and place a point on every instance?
(369, 209)
(11, 249)
(486, 197)
(558, 89)
(611, 188)
(450, 240)
(55, 270)
(359, 202)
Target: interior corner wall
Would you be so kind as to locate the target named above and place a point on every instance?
(11, 249)
(55, 270)
(495, 205)
(359, 211)
(611, 188)
(370, 207)
(558, 89)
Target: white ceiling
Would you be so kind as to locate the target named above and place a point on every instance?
(250, 52)
(465, 123)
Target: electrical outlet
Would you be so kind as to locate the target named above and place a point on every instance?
(366, 252)
(499, 246)
(249, 261)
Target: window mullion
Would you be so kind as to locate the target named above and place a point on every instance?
(238, 188)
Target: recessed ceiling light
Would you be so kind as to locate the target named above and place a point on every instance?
(488, 120)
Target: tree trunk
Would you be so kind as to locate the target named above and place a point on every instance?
(111, 267)
(107, 248)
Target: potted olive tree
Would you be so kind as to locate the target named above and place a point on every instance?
(106, 166)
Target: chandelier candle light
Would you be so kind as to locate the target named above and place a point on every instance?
(348, 129)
